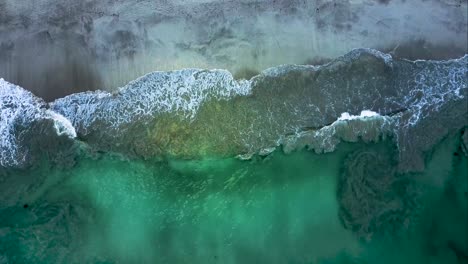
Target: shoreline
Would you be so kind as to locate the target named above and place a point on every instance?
(103, 46)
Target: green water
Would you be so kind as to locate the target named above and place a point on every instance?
(275, 209)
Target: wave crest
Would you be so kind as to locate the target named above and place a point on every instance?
(193, 113)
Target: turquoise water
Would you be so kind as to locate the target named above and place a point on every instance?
(349, 206)
(149, 174)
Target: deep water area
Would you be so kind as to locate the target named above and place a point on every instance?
(349, 206)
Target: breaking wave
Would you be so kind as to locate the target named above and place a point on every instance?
(292, 106)
(20, 114)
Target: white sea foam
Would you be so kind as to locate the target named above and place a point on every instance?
(284, 69)
(181, 91)
(358, 52)
(18, 110)
(18, 107)
(365, 113)
(62, 125)
(368, 126)
(433, 87)
(348, 57)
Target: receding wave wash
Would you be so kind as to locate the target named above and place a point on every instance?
(360, 160)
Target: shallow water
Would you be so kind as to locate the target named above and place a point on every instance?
(349, 206)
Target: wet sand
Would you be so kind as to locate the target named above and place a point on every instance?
(55, 49)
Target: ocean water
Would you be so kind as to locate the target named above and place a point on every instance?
(362, 160)
(296, 208)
